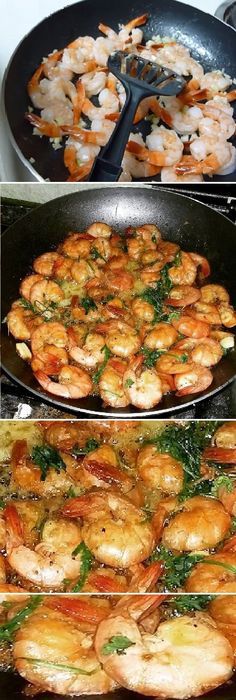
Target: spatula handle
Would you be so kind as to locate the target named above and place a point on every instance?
(107, 166)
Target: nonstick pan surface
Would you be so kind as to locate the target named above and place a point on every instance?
(194, 226)
(12, 686)
(210, 41)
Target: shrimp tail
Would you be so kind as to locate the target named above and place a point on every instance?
(14, 528)
(220, 454)
(81, 610)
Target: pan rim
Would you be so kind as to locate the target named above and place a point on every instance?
(82, 4)
(40, 395)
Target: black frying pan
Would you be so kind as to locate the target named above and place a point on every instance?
(211, 42)
(194, 226)
(12, 687)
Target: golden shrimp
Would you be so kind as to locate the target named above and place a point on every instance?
(173, 363)
(111, 384)
(121, 338)
(77, 245)
(92, 352)
(201, 524)
(183, 295)
(142, 386)
(44, 265)
(114, 529)
(207, 352)
(193, 381)
(160, 471)
(27, 284)
(20, 323)
(52, 652)
(161, 337)
(207, 313)
(223, 610)
(26, 475)
(73, 382)
(185, 272)
(225, 435)
(227, 315)
(151, 274)
(190, 327)
(154, 664)
(217, 574)
(99, 230)
(214, 294)
(143, 310)
(84, 270)
(46, 291)
(50, 562)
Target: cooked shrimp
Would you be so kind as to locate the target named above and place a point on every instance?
(77, 245)
(216, 147)
(121, 338)
(50, 360)
(225, 435)
(84, 270)
(217, 574)
(92, 351)
(54, 654)
(223, 610)
(173, 363)
(162, 336)
(214, 294)
(208, 313)
(27, 284)
(191, 327)
(142, 386)
(19, 323)
(201, 524)
(143, 310)
(46, 291)
(207, 352)
(99, 230)
(45, 263)
(225, 339)
(170, 175)
(215, 81)
(26, 475)
(183, 295)
(73, 383)
(160, 471)
(227, 315)
(101, 468)
(193, 381)
(111, 384)
(127, 539)
(164, 147)
(184, 273)
(50, 333)
(217, 118)
(49, 563)
(169, 662)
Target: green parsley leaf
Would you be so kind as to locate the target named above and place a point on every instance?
(189, 603)
(128, 383)
(177, 567)
(47, 457)
(91, 444)
(98, 373)
(222, 481)
(50, 664)
(86, 564)
(117, 645)
(95, 255)
(7, 629)
(88, 304)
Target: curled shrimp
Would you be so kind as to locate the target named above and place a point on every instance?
(142, 386)
(20, 322)
(217, 574)
(185, 272)
(49, 563)
(222, 609)
(190, 327)
(46, 291)
(160, 471)
(52, 652)
(27, 284)
(92, 351)
(154, 664)
(207, 352)
(164, 148)
(193, 381)
(201, 524)
(77, 245)
(173, 363)
(44, 264)
(73, 382)
(207, 313)
(225, 435)
(127, 539)
(162, 336)
(183, 295)
(27, 475)
(227, 315)
(111, 384)
(214, 294)
(121, 338)
(143, 310)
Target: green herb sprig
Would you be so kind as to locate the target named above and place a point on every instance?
(8, 629)
(117, 645)
(86, 564)
(98, 373)
(47, 457)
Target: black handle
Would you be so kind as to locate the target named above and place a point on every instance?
(107, 166)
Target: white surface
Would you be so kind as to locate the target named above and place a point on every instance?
(18, 17)
(37, 192)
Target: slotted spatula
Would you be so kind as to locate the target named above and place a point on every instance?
(141, 78)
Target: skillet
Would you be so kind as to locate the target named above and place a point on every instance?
(12, 686)
(210, 41)
(196, 227)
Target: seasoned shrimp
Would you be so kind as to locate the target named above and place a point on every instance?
(208, 313)
(142, 386)
(121, 338)
(92, 351)
(225, 435)
(48, 343)
(190, 327)
(111, 384)
(185, 272)
(173, 363)
(20, 322)
(214, 294)
(193, 381)
(172, 661)
(207, 352)
(223, 610)
(227, 315)
(127, 539)
(164, 147)
(143, 310)
(162, 336)
(27, 284)
(84, 270)
(73, 382)
(53, 653)
(26, 475)
(77, 245)
(183, 295)
(45, 263)
(201, 524)
(46, 291)
(160, 471)
(99, 230)
(216, 574)
(50, 562)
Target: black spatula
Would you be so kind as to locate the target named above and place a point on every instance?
(141, 78)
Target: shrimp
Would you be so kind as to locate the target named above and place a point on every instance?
(184, 273)
(143, 310)
(190, 327)
(216, 574)
(201, 524)
(84, 270)
(54, 654)
(183, 295)
(44, 265)
(119, 281)
(164, 148)
(207, 352)
(111, 384)
(91, 353)
(170, 175)
(215, 81)
(51, 333)
(99, 230)
(101, 469)
(193, 381)
(27, 284)
(49, 563)
(26, 475)
(217, 119)
(73, 383)
(77, 245)
(63, 435)
(227, 315)
(211, 149)
(207, 313)
(46, 291)
(223, 611)
(150, 274)
(225, 435)
(162, 336)
(173, 363)
(50, 360)
(169, 662)
(225, 339)
(142, 386)
(160, 471)
(19, 323)
(214, 294)
(94, 82)
(121, 338)
(127, 539)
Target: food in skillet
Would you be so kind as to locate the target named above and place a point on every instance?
(79, 103)
(120, 507)
(126, 316)
(167, 647)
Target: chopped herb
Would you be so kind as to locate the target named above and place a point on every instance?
(188, 603)
(7, 629)
(71, 493)
(150, 356)
(222, 481)
(128, 383)
(88, 304)
(47, 457)
(117, 645)
(40, 525)
(91, 444)
(46, 310)
(95, 255)
(154, 238)
(109, 297)
(2, 504)
(233, 525)
(107, 355)
(86, 563)
(177, 567)
(63, 667)
(228, 567)
(199, 488)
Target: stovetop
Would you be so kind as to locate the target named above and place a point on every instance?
(17, 403)
(227, 12)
